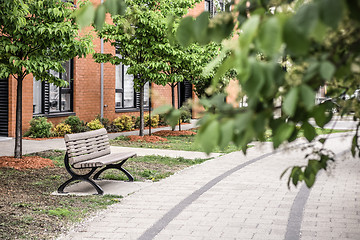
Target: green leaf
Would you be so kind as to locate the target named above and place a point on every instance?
(310, 180)
(173, 117)
(296, 41)
(185, 33)
(322, 114)
(226, 133)
(223, 69)
(162, 109)
(309, 131)
(290, 101)
(331, 12)
(100, 17)
(115, 7)
(256, 81)
(282, 133)
(249, 30)
(306, 18)
(209, 135)
(85, 15)
(270, 36)
(307, 96)
(327, 70)
(200, 28)
(354, 145)
(295, 175)
(322, 140)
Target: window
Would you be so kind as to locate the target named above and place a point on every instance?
(214, 7)
(50, 99)
(125, 95)
(207, 5)
(220, 7)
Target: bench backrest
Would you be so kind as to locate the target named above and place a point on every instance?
(87, 145)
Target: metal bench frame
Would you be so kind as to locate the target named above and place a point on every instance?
(92, 150)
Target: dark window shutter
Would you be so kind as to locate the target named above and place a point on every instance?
(4, 107)
(137, 99)
(212, 9)
(188, 89)
(46, 95)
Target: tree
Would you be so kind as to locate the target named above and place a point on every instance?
(35, 37)
(140, 37)
(286, 50)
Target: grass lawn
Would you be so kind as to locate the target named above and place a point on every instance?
(29, 211)
(183, 143)
(187, 143)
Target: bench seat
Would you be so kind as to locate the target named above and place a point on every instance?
(92, 150)
(104, 160)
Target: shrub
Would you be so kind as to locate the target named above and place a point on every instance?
(94, 124)
(104, 121)
(185, 115)
(154, 120)
(61, 129)
(75, 124)
(124, 123)
(39, 128)
(162, 120)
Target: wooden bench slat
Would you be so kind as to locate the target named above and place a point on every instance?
(92, 150)
(85, 135)
(82, 158)
(104, 160)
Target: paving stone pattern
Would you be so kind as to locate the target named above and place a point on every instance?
(250, 203)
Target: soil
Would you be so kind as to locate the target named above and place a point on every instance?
(40, 139)
(27, 162)
(166, 133)
(151, 139)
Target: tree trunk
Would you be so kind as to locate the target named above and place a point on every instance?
(141, 132)
(18, 125)
(173, 99)
(150, 112)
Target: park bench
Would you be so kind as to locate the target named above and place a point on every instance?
(91, 150)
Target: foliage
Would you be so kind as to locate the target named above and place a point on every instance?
(154, 120)
(124, 123)
(36, 37)
(140, 38)
(162, 120)
(75, 124)
(94, 124)
(87, 14)
(39, 128)
(185, 116)
(61, 129)
(285, 50)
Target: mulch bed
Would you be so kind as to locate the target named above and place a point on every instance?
(40, 139)
(151, 139)
(28, 162)
(166, 133)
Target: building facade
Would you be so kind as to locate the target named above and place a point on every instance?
(94, 89)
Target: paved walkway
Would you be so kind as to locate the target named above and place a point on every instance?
(239, 197)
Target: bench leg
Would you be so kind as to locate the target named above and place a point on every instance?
(77, 177)
(115, 166)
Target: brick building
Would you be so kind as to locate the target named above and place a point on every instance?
(93, 90)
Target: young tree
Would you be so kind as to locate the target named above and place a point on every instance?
(140, 37)
(35, 37)
(316, 41)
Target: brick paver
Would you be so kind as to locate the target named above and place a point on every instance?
(250, 203)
